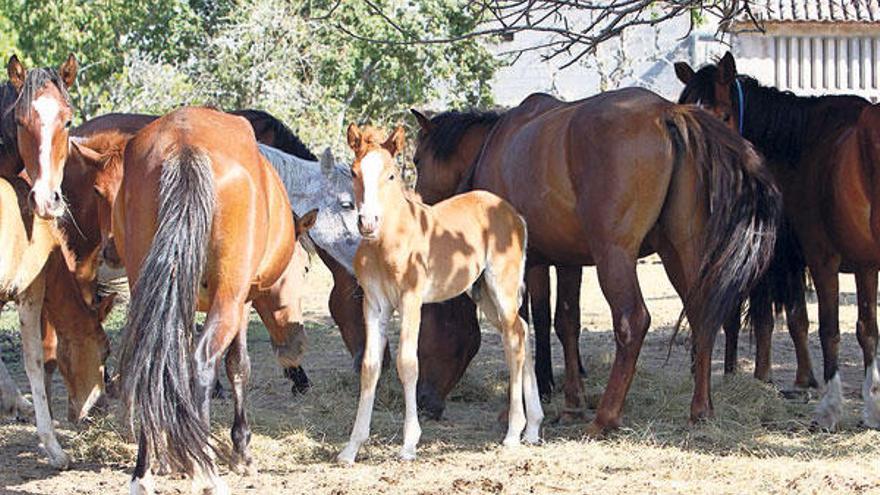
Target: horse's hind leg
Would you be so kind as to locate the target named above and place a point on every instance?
(866, 332)
(761, 312)
(617, 277)
(238, 371)
(142, 479)
(30, 305)
(830, 408)
(799, 327)
(568, 328)
(732, 326)
(538, 287)
(500, 307)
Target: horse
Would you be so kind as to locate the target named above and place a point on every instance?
(458, 136)
(413, 253)
(34, 115)
(607, 179)
(822, 152)
(201, 221)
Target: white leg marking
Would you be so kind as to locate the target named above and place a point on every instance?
(142, 486)
(375, 319)
(871, 395)
(29, 309)
(516, 421)
(829, 410)
(534, 411)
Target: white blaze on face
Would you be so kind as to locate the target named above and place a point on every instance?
(47, 109)
(371, 171)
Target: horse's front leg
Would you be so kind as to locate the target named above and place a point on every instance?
(376, 316)
(408, 371)
(30, 305)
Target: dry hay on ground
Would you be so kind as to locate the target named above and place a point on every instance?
(758, 443)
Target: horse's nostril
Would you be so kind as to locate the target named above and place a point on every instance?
(56, 197)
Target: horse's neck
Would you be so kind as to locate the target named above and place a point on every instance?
(783, 125)
(404, 219)
(22, 256)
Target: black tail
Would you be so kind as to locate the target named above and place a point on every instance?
(156, 362)
(744, 213)
(783, 284)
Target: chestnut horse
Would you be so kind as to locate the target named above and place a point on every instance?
(610, 178)
(413, 253)
(201, 221)
(458, 136)
(823, 153)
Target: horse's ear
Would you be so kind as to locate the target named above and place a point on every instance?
(104, 306)
(88, 155)
(424, 122)
(395, 143)
(327, 161)
(306, 222)
(684, 72)
(68, 70)
(354, 137)
(726, 69)
(16, 72)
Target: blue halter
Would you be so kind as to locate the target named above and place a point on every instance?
(742, 105)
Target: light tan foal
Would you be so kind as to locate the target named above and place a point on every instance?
(26, 242)
(412, 254)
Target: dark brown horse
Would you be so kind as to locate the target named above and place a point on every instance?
(824, 154)
(201, 221)
(458, 136)
(617, 176)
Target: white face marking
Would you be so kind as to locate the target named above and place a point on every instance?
(371, 169)
(47, 108)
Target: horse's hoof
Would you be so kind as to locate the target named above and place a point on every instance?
(407, 455)
(571, 417)
(60, 461)
(346, 457)
(532, 437)
(511, 441)
(595, 430)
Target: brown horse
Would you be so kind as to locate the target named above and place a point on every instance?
(823, 152)
(617, 176)
(413, 253)
(201, 221)
(458, 137)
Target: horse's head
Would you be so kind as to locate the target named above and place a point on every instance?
(374, 174)
(42, 115)
(336, 226)
(81, 359)
(715, 88)
(107, 167)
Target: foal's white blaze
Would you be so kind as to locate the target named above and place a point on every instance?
(871, 395)
(829, 410)
(47, 109)
(371, 171)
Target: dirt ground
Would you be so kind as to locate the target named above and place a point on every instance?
(759, 442)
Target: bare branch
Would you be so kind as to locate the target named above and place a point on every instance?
(573, 28)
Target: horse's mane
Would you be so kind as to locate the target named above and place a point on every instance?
(449, 128)
(8, 96)
(779, 122)
(285, 139)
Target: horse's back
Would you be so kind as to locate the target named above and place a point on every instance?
(253, 226)
(560, 164)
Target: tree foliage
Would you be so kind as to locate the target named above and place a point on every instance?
(295, 58)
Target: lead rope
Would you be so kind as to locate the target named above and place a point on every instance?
(742, 105)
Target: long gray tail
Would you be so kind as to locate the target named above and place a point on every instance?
(156, 362)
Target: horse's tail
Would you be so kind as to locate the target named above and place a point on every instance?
(157, 363)
(744, 211)
(783, 284)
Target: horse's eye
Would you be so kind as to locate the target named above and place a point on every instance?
(347, 205)
(67, 124)
(391, 177)
(416, 161)
(354, 174)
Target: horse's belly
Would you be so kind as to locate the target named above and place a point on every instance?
(849, 223)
